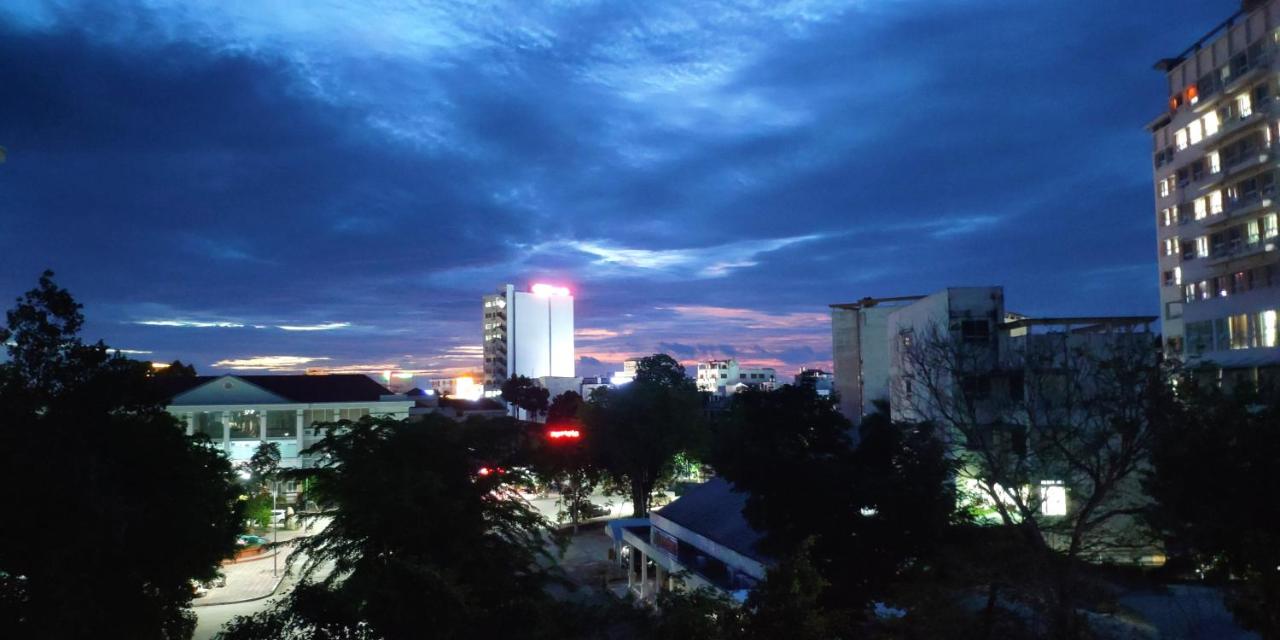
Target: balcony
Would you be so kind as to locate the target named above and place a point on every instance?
(1240, 250)
(1243, 209)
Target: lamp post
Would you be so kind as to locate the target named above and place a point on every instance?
(275, 529)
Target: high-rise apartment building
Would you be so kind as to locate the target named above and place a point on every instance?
(1216, 169)
(528, 333)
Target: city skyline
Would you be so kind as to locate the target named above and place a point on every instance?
(268, 190)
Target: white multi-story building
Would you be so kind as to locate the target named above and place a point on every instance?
(867, 337)
(528, 333)
(860, 352)
(1216, 162)
(722, 377)
(240, 413)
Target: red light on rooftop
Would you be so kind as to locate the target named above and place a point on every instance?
(543, 289)
(564, 434)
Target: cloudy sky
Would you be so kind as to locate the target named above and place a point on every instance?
(244, 184)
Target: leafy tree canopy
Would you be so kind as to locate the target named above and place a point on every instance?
(871, 511)
(113, 508)
(636, 430)
(1211, 460)
(420, 541)
(526, 394)
(564, 407)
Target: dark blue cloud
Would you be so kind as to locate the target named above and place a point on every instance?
(708, 178)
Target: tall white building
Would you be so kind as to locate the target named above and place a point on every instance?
(1218, 236)
(528, 333)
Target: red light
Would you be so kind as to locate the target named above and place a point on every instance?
(484, 471)
(564, 434)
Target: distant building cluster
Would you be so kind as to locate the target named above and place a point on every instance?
(868, 336)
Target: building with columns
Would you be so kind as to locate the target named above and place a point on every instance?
(701, 540)
(239, 413)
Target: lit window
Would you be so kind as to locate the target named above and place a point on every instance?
(1164, 188)
(1244, 106)
(1215, 163)
(1171, 246)
(1254, 231)
(1195, 132)
(1180, 137)
(1238, 327)
(1053, 499)
(1270, 226)
(1211, 123)
(1202, 247)
(1201, 209)
(1203, 288)
(1177, 275)
(1215, 202)
(1268, 329)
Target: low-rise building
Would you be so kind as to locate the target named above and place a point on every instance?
(820, 381)
(701, 539)
(241, 412)
(725, 377)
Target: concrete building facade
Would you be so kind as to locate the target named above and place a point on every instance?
(240, 413)
(528, 333)
(1216, 159)
(722, 377)
(860, 353)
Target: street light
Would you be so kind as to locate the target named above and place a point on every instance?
(275, 529)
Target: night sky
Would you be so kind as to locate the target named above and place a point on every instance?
(246, 184)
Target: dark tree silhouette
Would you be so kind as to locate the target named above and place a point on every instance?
(791, 451)
(564, 407)
(526, 394)
(113, 510)
(636, 430)
(420, 541)
(1213, 477)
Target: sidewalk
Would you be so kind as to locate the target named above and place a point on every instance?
(252, 579)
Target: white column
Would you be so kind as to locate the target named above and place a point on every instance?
(301, 428)
(190, 419)
(226, 432)
(262, 426)
(644, 576)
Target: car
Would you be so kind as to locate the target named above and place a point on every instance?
(248, 540)
(198, 590)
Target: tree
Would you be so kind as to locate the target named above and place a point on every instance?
(1050, 434)
(420, 541)
(568, 461)
(636, 430)
(564, 408)
(113, 509)
(525, 394)
(264, 465)
(811, 491)
(662, 370)
(1211, 461)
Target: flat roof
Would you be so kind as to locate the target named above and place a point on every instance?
(871, 302)
(1083, 320)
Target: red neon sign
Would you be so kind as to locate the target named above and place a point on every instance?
(564, 434)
